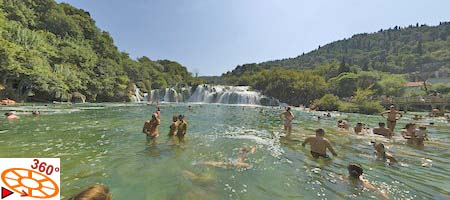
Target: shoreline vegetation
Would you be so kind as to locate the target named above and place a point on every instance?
(353, 74)
(54, 52)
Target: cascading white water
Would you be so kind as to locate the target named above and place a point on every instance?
(229, 95)
(211, 94)
(137, 97)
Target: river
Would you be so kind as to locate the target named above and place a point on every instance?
(103, 143)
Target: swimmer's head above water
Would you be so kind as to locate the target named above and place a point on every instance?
(97, 192)
(422, 128)
(379, 147)
(410, 126)
(180, 117)
(174, 118)
(320, 132)
(355, 170)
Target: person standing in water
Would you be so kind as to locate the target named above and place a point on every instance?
(287, 116)
(393, 116)
(182, 127)
(174, 126)
(151, 127)
(355, 172)
(319, 145)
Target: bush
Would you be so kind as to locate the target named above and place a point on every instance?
(443, 88)
(370, 107)
(347, 107)
(328, 102)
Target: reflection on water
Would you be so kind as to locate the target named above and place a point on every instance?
(103, 143)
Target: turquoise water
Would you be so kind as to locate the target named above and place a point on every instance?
(103, 143)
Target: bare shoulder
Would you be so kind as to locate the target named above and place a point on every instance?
(310, 138)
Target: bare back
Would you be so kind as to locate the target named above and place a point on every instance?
(382, 131)
(319, 144)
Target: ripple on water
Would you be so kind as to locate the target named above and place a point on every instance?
(106, 146)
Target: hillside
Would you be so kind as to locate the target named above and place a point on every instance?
(395, 50)
(51, 51)
(356, 70)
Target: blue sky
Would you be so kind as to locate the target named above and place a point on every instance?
(214, 36)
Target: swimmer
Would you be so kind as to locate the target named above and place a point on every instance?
(11, 116)
(206, 178)
(190, 108)
(158, 111)
(421, 135)
(96, 192)
(36, 113)
(7, 102)
(239, 163)
(409, 133)
(380, 151)
(382, 130)
(343, 124)
(328, 114)
(182, 127)
(358, 128)
(319, 145)
(151, 127)
(287, 116)
(434, 113)
(174, 126)
(355, 172)
(392, 118)
(417, 117)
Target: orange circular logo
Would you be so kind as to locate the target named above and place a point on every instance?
(30, 183)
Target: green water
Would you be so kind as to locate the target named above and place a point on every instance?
(103, 143)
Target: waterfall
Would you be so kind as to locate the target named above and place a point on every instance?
(137, 97)
(211, 94)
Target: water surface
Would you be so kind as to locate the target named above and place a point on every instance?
(103, 143)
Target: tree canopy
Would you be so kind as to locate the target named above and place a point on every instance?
(365, 66)
(49, 51)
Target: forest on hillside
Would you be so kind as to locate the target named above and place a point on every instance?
(395, 50)
(54, 51)
(349, 74)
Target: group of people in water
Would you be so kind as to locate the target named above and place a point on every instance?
(177, 128)
(319, 145)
